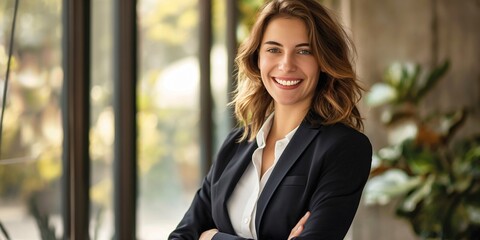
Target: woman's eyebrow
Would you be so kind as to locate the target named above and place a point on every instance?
(303, 45)
(280, 45)
(273, 43)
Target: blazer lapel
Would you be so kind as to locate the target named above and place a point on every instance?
(229, 179)
(301, 139)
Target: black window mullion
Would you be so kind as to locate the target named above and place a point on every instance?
(125, 150)
(76, 118)
(206, 101)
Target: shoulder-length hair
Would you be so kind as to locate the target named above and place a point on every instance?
(337, 92)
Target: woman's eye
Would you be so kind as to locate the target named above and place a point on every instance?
(305, 52)
(273, 50)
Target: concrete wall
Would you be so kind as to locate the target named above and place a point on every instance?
(404, 30)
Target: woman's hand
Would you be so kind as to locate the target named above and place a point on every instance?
(208, 235)
(299, 227)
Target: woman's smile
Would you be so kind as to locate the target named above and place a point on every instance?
(287, 82)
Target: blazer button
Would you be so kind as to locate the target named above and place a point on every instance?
(245, 220)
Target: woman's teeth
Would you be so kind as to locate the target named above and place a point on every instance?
(287, 82)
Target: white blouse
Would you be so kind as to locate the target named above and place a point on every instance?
(242, 204)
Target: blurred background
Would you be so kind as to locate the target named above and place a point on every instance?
(418, 61)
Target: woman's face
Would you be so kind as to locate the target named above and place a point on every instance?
(288, 69)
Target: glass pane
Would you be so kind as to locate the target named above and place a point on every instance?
(219, 74)
(102, 122)
(31, 151)
(168, 93)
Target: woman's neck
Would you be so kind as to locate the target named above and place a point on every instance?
(285, 120)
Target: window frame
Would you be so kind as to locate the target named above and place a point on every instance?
(76, 17)
(76, 107)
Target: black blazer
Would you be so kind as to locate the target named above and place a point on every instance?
(323, 170)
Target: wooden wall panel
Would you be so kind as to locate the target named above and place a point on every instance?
(390, 30)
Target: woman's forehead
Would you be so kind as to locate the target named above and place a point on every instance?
(286, 30)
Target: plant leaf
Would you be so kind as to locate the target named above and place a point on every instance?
(393, 74)
(380, 94)
(392, 183)
(474, 214)
(407, 81)
(4, 231)
(411, 202)
(432, 79)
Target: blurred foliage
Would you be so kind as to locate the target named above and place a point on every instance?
(403, 87)
(30, 164)
(32, 134)
(171, 22)
(436, 179)
(247, 11)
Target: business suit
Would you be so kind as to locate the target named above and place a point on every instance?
(323, 170)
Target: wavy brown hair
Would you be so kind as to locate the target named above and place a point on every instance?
(337, 92)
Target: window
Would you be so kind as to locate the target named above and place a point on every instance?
(30, 161)
(101, 121)
(168, 113)
(170, 80)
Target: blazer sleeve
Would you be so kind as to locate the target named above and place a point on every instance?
(344, 172)
(198, 217)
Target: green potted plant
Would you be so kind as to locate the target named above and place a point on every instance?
(434, 177)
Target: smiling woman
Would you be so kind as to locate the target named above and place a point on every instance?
(299, 143)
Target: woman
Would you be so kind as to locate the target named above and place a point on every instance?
(297, 166)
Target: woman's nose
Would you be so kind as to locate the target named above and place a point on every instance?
(287, 63)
